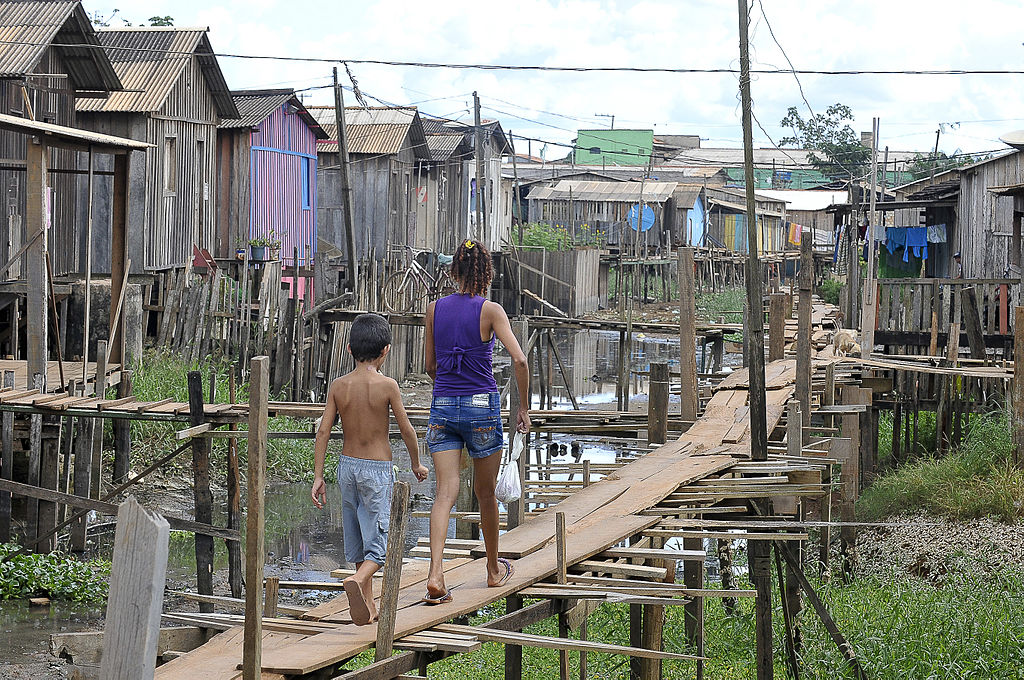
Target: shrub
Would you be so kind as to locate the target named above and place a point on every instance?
(830, 290)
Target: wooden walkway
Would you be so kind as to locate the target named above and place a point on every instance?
(655, 493)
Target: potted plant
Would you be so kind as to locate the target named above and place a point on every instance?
(259, 246)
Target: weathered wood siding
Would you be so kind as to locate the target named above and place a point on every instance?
(440, 213)
(233, 192)
(985, 220)
(908, 304)
(52, 102)
(165, 218)
(572, 277)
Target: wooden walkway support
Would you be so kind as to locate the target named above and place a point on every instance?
(259, 386)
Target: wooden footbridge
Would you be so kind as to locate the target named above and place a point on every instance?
(604, 542)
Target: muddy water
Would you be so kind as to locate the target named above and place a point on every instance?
(304, 543)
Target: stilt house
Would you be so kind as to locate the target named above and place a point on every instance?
(266, 174)
(175, 96)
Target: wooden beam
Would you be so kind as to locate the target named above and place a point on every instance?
(119, 263)
(137, 577)
(201, 489)
(689, 403)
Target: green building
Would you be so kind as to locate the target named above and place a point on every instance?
(614, 147)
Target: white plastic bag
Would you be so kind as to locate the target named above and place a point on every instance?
(509, 487)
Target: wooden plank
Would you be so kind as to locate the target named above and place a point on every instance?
(7, 460)
(544, 642)
(388, 609)
(132, 626)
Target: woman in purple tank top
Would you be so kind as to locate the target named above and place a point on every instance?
(466, 408)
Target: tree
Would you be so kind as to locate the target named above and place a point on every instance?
(161, 21)
(922, 165)
(835, 149)
(105, 22)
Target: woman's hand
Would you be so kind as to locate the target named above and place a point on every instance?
(523, 420)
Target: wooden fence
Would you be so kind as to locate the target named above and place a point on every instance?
(908, 305)
(569, 280)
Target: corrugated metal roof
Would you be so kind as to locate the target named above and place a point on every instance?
(150, 60)
(254, 106)
(28, 28)
(376, 130)
(67, 134)
(616, 192)
(686, 196)
(443, 146)
(806, 199)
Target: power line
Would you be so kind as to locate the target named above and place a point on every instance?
(535, 67)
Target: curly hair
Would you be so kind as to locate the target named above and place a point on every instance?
(472, 268)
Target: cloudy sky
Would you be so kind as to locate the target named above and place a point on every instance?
(972, 110)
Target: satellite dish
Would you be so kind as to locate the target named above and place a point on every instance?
(1014, 139)
(640, 221)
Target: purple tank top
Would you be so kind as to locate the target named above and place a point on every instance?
(464, 363)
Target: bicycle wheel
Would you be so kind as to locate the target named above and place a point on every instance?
(400, 293)
(445, 285)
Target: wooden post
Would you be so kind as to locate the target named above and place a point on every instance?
(37, 231)
(1018, 387)
(96, 466)
(760, 575)
(729, 604)
(688, 401)
(122, 433)
(657, 405)
(972, 322)
(794, 429)
(777, 326)
(137, 575)
(654, 628)
(561, 577)
(201, 487)
(516, 509)
(270, 590)
(118, 257)
(388, 610)
(803, 333)
(6, 462)
(234, 486)
(254, 547)
(35, 445)
(346, 185)
(693, 577)
(49, 475)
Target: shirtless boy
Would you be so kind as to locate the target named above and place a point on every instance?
(365, 472)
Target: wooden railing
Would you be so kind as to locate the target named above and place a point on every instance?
(909, 304)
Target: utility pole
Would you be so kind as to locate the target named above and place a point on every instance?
(517, 203)
(479, 153)
(935, 155)
(758, 422)
(607, 115)
(867, 311)
(758, 551)
(346, 184)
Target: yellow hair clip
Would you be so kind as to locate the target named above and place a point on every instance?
(469, 244)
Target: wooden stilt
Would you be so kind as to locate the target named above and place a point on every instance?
(270, 592)
(234, 501)
(657, 405)
(803, 336)
(35, 455)
(776, 326)
(693, 577)
(201, 488)
(122, 433)
(96, 465)
(1018, 387)
(688, 400)
(6, 462)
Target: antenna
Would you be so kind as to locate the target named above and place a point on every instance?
(607, 115)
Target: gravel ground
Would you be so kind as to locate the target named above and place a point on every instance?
(930, 547)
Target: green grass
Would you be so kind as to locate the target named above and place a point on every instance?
(972, 627)
(710, 305)
(977, 479)
(162, 375)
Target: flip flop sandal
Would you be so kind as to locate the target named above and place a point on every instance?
(509, 570)
(357, 605)
(443, 599)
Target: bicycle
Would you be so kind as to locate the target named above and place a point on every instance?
(403, 289)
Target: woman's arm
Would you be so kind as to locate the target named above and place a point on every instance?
(429, 358)
(502, 330)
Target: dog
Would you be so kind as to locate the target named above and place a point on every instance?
(844, 342)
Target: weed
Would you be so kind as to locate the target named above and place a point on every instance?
(831, 289)
(55, 575)
(976, 479)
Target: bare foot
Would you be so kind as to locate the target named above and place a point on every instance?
(367, 588)
(501, 575)
(357, 604)
(435, 587)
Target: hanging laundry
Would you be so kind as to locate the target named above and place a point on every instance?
(937, 233)
(917, 239)
(879, 231)
(795, 231)
(895, 237)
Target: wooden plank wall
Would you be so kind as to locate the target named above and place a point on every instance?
(572, 281)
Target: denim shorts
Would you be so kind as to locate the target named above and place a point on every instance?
(471, 421)
(366, 487)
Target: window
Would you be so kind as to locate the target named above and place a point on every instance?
(307, 192)
(170, 164)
